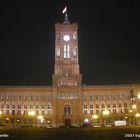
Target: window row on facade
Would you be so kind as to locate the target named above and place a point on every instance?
(108, 105)
(24, 97)
(107, 97)
(26, 112)
(25, 106)
(100, 111)
(67, 96)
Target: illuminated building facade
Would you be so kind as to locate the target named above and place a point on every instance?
(67, 102)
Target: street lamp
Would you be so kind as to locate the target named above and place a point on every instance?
(106, 113)
(133, 119)
(40, 119)
(94, 116)
(137, 115)
(95, 119)
(31, 113)
(139, 96)
(134, 106)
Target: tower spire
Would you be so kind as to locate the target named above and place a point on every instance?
(66, 21)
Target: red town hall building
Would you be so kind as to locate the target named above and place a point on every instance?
(67, 102)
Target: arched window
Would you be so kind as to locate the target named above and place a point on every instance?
(66, 51)
(49, 108)
(31, 106)
(85, 108)
(97, 105)
(91, 108)
(67, 110)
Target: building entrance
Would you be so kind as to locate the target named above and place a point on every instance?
(67, 123)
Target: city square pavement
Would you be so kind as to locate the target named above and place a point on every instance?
(104, 133)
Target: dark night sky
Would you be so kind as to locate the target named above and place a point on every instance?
(109, 40)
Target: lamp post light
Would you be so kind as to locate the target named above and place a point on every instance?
(31, 113)
(138, 96)
(40, 119)
(95, 118)
(137, 115)
(133, 114)
(134, 106)
(106, 113)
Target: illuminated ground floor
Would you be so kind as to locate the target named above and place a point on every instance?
(41, 121)
(69, 106)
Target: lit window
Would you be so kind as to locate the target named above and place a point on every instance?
(13, 97)
(120, 105)
(37, 97)
(120, 111)
(75, 35)
(43, 107)
(13, 112)
(67, 110)
(19, 97)
(85, 112)
(97, 112)
(85, 106)
(19, 106)
(25, 106)
(57, 37)
(25, 97)
(114, 111)
(7, 112)
(108, 105)
(96, 97)
(91, 111)
(91, 106)
(13, 106)
(43, 112)
(7, 97)
(25, 112)
(66, 51)
(37, 112)
(2, 105)
(37, 106)
(103, 105)
(125, 104)
(19, 112)
(126, 110)
(49, 106)
(57, 51)
(97, 105)
(31, 97)
(114, 105)
(2, 97)
(31, 106)
(102, 97)
(90, 97)
(7, 106)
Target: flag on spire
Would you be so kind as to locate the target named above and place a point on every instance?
(64, 10)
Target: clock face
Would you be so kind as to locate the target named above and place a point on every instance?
(66, 37)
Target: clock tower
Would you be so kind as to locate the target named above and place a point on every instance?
(67, 87)
(66, 68)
